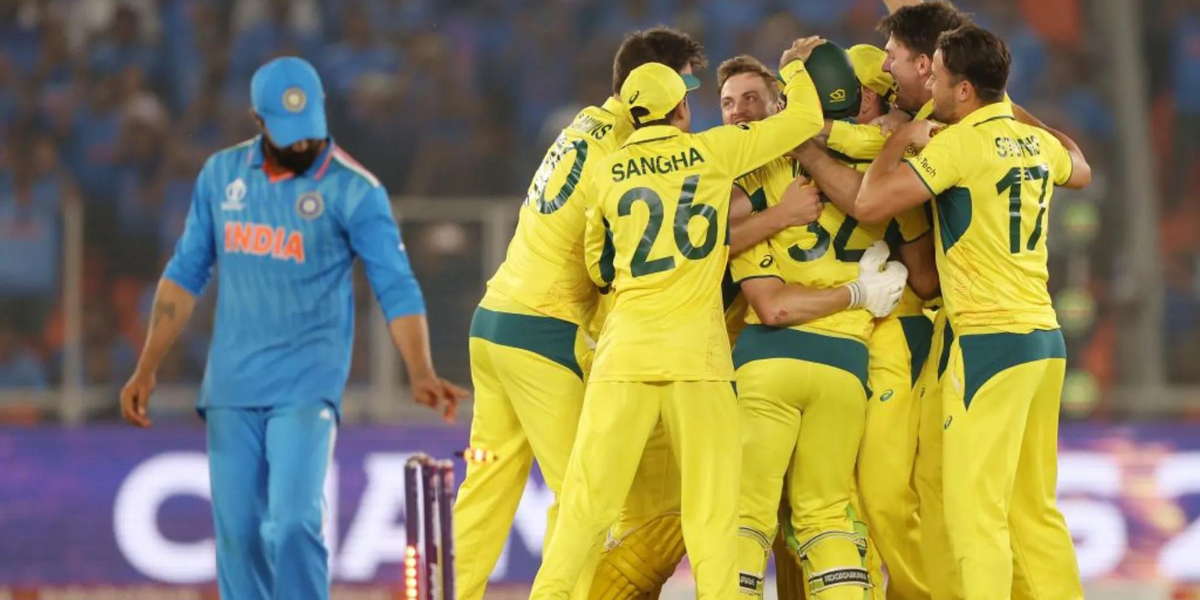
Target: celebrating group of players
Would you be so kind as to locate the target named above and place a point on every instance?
(702, 341)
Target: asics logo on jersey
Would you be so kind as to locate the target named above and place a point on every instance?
(234, 193)
(886, 396)
(264, 240)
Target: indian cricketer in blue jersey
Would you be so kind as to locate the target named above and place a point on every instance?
(283, 215)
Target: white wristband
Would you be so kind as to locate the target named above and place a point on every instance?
(857, 293)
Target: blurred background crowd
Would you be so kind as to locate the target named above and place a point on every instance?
(113, 105)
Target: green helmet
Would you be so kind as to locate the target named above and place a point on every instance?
(833, 74)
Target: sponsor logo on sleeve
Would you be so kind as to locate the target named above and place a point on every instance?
(925, 166)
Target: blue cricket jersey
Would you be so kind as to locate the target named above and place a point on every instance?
(285, 247)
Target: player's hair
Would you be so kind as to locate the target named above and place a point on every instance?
(978, 56)
(665, 45)
(746, 64)
(918, 26)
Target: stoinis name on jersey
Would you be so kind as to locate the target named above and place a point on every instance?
(591, 126)
(264, 240)
(1016, 147)
(659, 165)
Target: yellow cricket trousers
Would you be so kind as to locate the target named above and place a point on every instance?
(645, 545)
(803, 402)
(529, 383)
(1000, 452)
(899, 347)
(941, 572)
(700, 419)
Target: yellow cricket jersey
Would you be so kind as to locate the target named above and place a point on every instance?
(853, 143)
(820, 255)
(926, 110)
(544, 270)
(992, 179)
(659, 235)
(856, 141)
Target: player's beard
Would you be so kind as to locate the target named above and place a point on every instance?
(943, 114)
(296, 162)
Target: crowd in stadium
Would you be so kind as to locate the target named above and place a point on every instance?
(113, 105)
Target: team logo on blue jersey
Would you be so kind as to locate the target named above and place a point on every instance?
(234, 193)
(310, 205)
(294, 99)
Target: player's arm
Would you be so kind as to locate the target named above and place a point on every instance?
(185, 277)
(777, 304)
(1080, 170)
(892, 185)
(747, 146)
(918, 257)
(780, 304)
(910, 234)
(800, 205)
(375, 239)
(837, 181)
(854, 140)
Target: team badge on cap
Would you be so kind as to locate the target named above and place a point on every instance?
(294, 99)
(310, 205)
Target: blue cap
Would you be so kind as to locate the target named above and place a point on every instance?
(288, 95)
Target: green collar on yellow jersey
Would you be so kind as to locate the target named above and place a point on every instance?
(651, 133)
(926, 111)
(989, 112)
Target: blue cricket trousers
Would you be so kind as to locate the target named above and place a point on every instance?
(268, 468)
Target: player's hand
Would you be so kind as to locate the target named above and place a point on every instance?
(800, 204)
(885, 288)
(439, 394)
(880, 283)
(918, 133)
(889, 123)
(801, 49)
(135, 397)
